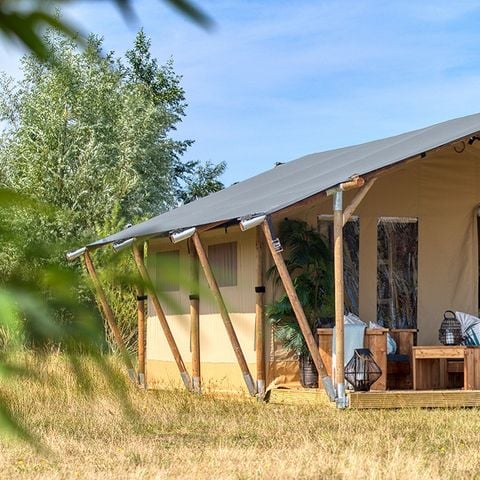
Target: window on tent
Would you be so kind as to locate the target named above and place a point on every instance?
(167, 271)
(223, 259)
(397, 272)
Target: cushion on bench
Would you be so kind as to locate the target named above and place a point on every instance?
(396, 357)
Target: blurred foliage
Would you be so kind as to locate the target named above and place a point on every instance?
(25, 21)
(84, 149)
(309, 262)
(32, 298)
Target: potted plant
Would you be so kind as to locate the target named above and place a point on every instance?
(309, 263)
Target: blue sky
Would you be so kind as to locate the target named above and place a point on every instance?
(279, 79)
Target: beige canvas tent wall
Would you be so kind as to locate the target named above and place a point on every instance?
(219, 366)
(441, 190)
(428, 176)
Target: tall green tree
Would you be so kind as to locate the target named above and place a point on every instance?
(89, 134)
(199, 180)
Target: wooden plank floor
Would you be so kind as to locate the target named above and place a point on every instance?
(415, 399)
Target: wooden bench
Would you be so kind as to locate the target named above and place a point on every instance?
(400, 373)
(395, 374)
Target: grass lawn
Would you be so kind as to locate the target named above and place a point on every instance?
(176, 435)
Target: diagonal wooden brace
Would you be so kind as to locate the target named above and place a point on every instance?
(298, 310)
(137, 254)
(212, 283)
(349, 211)
(108, 314)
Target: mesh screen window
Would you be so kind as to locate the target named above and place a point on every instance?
(397, 272)
(223, 259)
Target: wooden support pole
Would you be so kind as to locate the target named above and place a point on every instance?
(212, 283)
(348, 212)
(298, 310)
(141, 327)
(108, 314)
(195, 321)
(260, 314)
(161, 315)
(339, 298)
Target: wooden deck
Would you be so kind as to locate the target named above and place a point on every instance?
(380, 400)
(415, 399)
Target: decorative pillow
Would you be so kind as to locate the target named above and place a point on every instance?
(470, 328)
(352, 319)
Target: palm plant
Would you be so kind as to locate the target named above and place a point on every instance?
(309, 262)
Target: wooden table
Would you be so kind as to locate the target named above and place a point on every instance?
(431, 366)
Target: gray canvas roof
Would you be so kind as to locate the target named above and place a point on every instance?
(299, 179)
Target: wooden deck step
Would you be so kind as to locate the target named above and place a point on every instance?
(376, 399)
(415, 399)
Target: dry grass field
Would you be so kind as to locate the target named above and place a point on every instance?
(175, 435)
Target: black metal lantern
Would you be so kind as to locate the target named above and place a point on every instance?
(450, 332)
(308, 372)
(362, 371)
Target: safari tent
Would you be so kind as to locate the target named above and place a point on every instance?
(408, 206)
